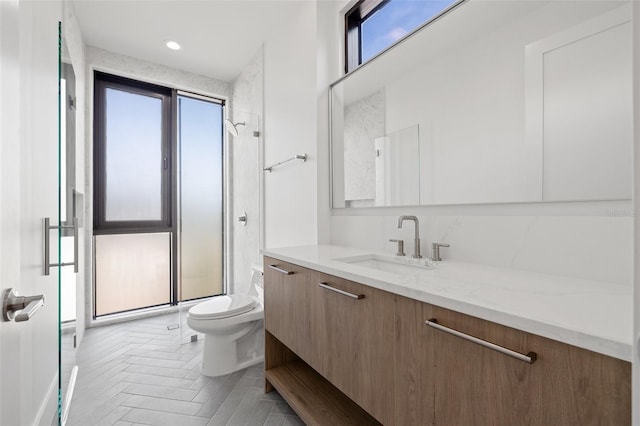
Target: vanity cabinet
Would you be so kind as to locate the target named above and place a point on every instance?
(564, 385)
(344, 353)
(317, 352)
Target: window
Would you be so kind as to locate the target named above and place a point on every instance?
(201, 207)
(158, 195)
(131, 155)
(371, 26)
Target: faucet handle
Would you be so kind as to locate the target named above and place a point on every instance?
(435, 251)
(400, 247)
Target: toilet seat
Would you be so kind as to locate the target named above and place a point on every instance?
(223, 307)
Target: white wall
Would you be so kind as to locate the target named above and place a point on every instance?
(246, 168)
(327, 70)
(126, 66)
(291, 191)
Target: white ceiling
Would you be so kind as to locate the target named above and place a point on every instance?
(218, 37)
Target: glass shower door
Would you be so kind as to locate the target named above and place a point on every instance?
(67, 232)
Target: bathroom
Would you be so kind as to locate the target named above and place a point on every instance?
(279, 66)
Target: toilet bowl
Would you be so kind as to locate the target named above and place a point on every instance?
(233, 329)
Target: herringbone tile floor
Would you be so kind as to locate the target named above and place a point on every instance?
(138, 373)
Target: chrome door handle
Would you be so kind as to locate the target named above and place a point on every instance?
(342, 292)
(47, 256)
(528, 358)
(282, 271)
(27, 305)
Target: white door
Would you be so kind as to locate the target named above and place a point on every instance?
(28, 193)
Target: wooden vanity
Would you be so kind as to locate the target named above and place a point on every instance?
(341, 352)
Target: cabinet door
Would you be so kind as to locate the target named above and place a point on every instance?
(474, 385)
(565, 385)
(574, 386)
(354, 326)
(286, 314)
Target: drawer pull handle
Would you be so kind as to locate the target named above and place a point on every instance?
(342, 292)
(282, 271)
(528, 358)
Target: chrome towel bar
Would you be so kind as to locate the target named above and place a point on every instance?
(528, 358)
(302, 157)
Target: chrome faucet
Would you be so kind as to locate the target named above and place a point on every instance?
(435, 251)
(416, 253)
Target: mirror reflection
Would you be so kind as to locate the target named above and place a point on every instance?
(510, 102)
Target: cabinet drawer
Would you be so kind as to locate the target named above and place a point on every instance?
(564, 385)
(353, 325)
(286, 295)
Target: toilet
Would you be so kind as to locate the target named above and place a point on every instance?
(233, 328)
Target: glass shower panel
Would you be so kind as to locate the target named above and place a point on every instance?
(66, 241)
(134, 157)
(200, 144)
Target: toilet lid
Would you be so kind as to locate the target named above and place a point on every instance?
(223, 306)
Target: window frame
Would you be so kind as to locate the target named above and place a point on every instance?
(102, 82)
(353, 20)
(175, 146)
(359, 13)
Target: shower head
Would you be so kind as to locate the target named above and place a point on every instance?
(233, 127)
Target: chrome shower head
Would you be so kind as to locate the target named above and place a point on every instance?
(233, 127)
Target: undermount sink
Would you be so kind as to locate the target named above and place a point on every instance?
(394, 264)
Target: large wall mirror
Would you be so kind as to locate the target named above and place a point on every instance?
(495, 102)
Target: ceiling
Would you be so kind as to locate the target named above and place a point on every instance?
(218, 37)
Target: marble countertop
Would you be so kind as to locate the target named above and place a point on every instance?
(593, 315)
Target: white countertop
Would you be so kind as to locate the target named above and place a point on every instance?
(592, 315)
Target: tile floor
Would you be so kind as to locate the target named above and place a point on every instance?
(138, 373)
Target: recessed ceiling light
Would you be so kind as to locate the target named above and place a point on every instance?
(173, 45)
